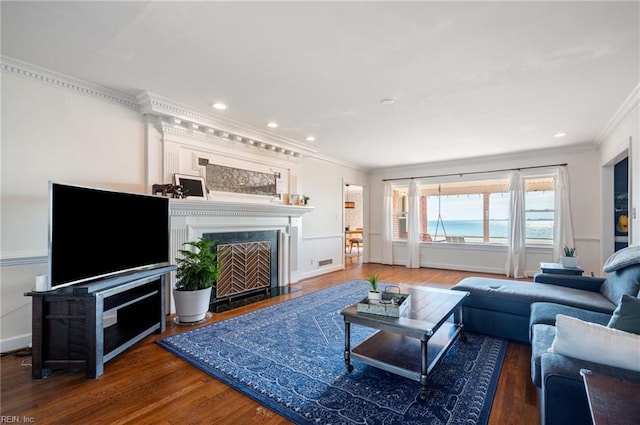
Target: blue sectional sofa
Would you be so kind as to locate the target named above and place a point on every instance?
(527, 312)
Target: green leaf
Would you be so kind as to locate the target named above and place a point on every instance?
(199, 267)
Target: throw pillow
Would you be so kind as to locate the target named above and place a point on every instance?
(626, 317)
(621, 282)
(621, 259)
(596, 343)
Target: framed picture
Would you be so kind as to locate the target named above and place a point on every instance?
(193, 186)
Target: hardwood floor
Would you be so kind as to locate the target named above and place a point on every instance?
(147, 384)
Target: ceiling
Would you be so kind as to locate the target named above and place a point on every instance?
(468, 79)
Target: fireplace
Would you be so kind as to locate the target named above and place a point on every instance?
(248, 265)
(250, 230)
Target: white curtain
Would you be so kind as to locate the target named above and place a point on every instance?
(413, 228)
(387, 228)
(516, 241)
(563, 226)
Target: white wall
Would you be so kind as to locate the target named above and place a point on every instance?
(323, 237)
(584, 174)
(54, 133)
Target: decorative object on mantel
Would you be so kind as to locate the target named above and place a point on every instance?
(237, 180)
(569, 259)
(304, 200)
(192, 186)
(167, 189)
(196, 276)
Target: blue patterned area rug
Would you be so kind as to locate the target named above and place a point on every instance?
(290, 358)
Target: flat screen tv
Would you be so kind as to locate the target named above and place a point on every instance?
(96, 233)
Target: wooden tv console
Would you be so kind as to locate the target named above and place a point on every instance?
(69, 330)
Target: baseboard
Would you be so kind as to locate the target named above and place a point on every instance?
(15, 343)
(321, 271)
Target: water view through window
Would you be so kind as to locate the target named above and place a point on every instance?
(463, 216)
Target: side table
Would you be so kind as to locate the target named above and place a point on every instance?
(558, 268)
(612, 401)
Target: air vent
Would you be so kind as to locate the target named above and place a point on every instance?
(325, 262)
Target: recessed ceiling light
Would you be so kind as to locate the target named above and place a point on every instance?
(387, 101)
(310, 139)
(219, 105)
(272, 124)
(560, 134)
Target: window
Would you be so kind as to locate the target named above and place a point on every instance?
(466, 212)
(400, 213)
(539, 204)
(476, 211)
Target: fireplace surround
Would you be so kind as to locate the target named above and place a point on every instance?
(242, 222)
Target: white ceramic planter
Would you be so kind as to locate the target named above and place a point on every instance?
(569, 261)
(192, 306)
(375, 297)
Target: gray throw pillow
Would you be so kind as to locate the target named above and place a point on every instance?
(626, 316)
(624, 258)
(621, 282)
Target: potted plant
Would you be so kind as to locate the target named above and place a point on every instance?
(198, 271)
(569, 259)
(374, 296)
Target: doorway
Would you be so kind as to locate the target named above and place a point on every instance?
(621, 204)
(353, 223)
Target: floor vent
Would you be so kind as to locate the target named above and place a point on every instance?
(325, 262)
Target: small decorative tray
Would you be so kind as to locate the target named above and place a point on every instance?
(392, 304)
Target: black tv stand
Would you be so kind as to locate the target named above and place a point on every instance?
(69, 329)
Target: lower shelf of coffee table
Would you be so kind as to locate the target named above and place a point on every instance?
(400, 354)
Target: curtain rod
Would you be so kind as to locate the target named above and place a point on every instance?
(475, 172)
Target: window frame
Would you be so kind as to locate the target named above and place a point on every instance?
(496, 181)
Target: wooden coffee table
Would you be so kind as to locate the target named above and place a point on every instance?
(411, 345)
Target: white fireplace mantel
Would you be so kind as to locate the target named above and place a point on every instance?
(203, 207)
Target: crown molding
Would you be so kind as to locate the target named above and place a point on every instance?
(172, 113)
(16, 67)
(339, 162)
(631, 103)
(184, 119)
(481, 160)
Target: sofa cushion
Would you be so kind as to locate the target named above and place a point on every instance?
(621, 259)
(545, 313)
(626, 317)
(621, 282)
(541, 340)
(516, 297)
(596, 343)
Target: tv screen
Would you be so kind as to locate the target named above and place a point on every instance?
(95, 233)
